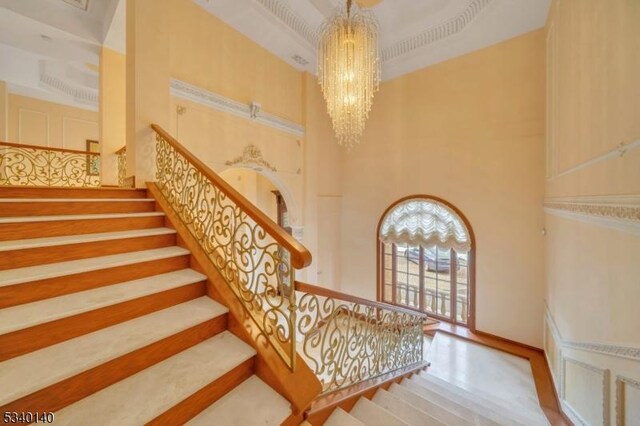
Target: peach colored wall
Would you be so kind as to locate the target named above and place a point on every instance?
(323, 175)
(210, 54)
(113, 105)
(592, 284)
(37, 122)
(471, 131)
(4, 110)
(178, 39)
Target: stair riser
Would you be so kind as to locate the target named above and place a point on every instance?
(79, 207)
(43, 289)
(25, 230)
(196, 403)
(44, 255)
(24, 341)
(43, 192)
(66, 392)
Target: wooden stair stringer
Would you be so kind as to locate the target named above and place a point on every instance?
(299, 387)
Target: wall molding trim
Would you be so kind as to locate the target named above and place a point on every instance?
(627, 352)
(617, 152)
(606, 398)
(620, 212)
(218, 102)
(621, 383)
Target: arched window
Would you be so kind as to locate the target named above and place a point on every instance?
(426, 259)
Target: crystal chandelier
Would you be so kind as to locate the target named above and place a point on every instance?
(349, 70)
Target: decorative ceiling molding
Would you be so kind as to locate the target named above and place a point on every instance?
(628, 352)
(251, 155)
(457, 24)
(281, 11)
(82, 96)
(201, 96)
(80, 4)
(436, 33)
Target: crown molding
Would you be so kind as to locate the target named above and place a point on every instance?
(81, 96)
(288, 17)
(218, 102)
(436, 33)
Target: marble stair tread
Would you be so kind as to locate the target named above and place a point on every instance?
(454, 405)
(82, 238)
(31, 314)
(266, 407)
(144, 396)
(403, 410)
(51, 218)
(437, 411)
(339, 417)
(75, 200)
(36, 370)
(372, 414)
(59, 269)
(494, 405)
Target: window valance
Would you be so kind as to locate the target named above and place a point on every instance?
(426, 223)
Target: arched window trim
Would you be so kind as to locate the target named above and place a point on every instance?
(471, 320)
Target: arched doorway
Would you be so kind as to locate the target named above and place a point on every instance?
(262, 191)
(426, 259)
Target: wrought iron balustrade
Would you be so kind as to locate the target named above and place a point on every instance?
(344, 340)
(32, 165)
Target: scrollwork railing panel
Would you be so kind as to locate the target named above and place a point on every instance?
(345, 343)
(256, 268)
(27, 165)
(122, 166)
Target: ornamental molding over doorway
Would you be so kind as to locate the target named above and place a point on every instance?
(251, 155)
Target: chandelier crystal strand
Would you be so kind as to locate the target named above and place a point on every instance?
(349, 70)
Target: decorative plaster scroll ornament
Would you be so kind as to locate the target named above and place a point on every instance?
(251, 155)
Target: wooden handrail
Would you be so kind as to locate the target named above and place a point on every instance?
(47, 148)
(325, 292)
(300, 256)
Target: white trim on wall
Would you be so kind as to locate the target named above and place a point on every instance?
(621, 383)
(617, 212)
(218, 102)
(606, 398)
(627, 352)
(619, 151)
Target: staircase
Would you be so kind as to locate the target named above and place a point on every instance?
(105, 319)
(424, 399)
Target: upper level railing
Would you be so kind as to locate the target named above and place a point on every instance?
(33, 165)
(347, 339)
(122, 166)
(344, 339)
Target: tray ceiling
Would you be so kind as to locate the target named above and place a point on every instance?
(413, 33)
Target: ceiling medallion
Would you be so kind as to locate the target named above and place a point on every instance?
(349, 70)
